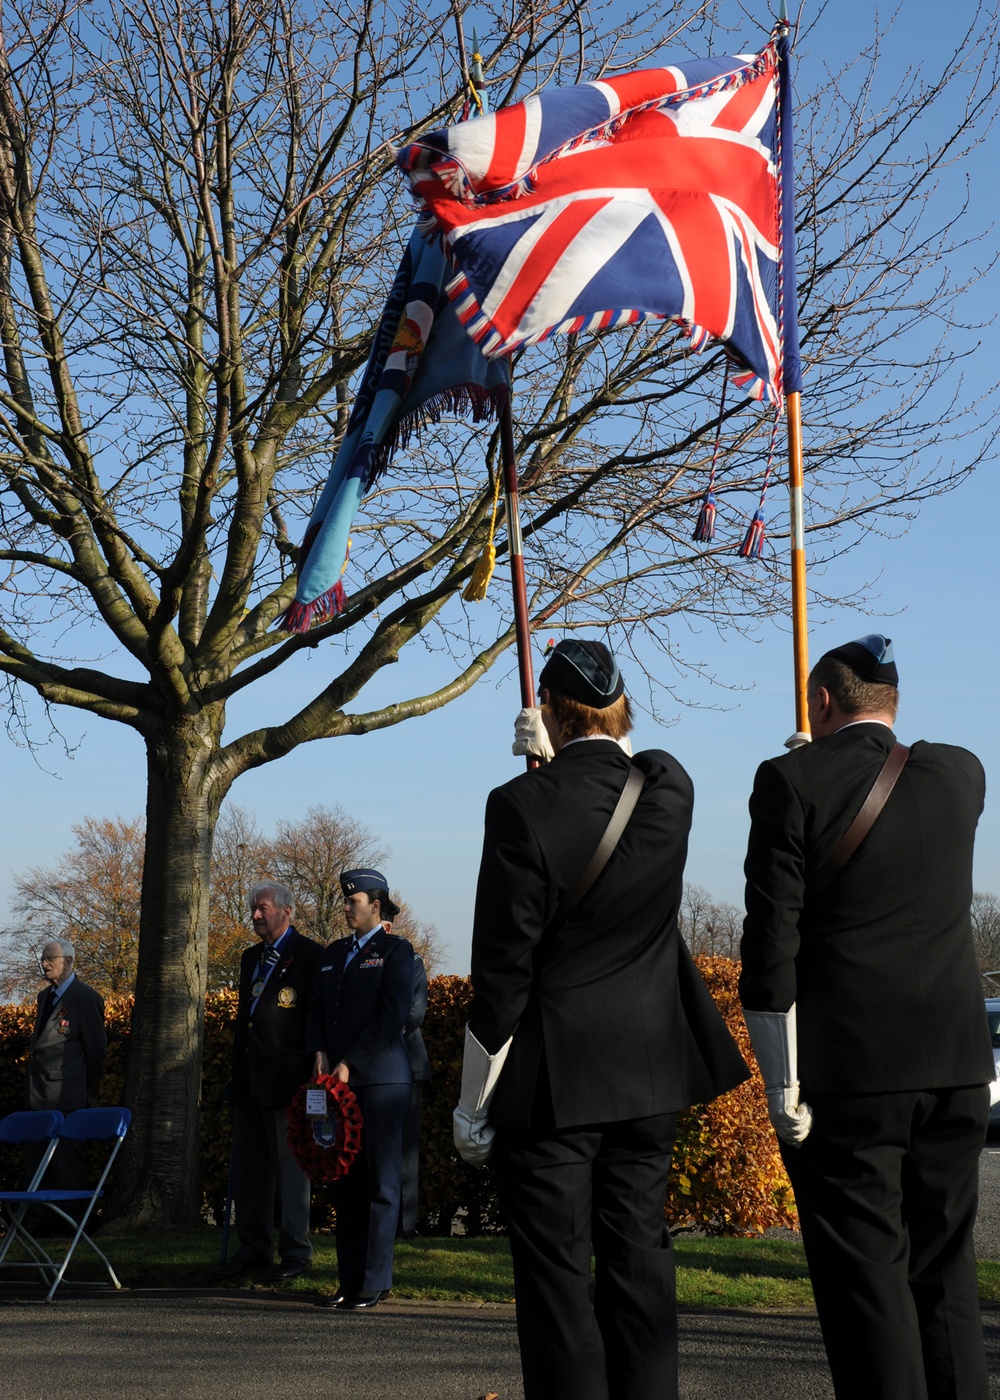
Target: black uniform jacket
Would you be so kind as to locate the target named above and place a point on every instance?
(420, 1065)
(612, 998)
(358, 1015)
(67, 1054)
(271, 1058)
(881, 964)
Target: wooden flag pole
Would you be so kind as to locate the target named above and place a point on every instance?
(515, 546)
(800, 629)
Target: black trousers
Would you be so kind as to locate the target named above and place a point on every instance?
(887, 1188)
(367, 1198)
(611, 1335)
(263, 1163)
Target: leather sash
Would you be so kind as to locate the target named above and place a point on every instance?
(865, 819)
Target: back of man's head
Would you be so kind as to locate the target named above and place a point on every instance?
(860, 676)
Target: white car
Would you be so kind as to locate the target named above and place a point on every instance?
(993, 1016)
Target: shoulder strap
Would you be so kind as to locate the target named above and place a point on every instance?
(865, 819)
(612, 835)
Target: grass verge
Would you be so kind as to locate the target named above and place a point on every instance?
(711, 1273)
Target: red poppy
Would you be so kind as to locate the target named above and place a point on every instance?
(325, 1147)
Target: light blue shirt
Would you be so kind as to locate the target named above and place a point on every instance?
(62, 987)
(352, 952)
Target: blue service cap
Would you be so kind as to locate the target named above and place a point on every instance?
(870, 658)
(361, 881)
(584, 671)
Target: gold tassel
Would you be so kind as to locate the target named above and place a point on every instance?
(475, 589)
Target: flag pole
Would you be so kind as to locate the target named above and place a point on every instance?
(800, 627)
(508, 463)
(515, 545)
(791, 382)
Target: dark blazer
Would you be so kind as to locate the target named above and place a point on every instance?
(627, 1026)
(271, 1058)
(420, 1065)
(881, 964)
(358, 1015)
(66, 1056)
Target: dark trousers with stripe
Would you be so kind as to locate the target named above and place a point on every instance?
(367, 1198)
(611, 1335)
(887, 1189)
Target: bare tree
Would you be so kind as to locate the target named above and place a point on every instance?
(986, 931)
(309, 854)
(708, 927)
(239, 861)
(92, 898)
(198, 222)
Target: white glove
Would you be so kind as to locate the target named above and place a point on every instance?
(531, 738)
(470, 1125)
(796, 740)
(995, 1088)
(773, 1036)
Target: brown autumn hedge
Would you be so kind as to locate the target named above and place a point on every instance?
(727, 1176)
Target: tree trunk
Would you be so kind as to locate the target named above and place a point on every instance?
(157, 1179)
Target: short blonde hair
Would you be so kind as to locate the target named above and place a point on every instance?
(577, 721)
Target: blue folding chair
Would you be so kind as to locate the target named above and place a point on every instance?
(85, 1125)
(31, 1128)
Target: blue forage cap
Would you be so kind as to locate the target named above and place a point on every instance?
(870, 658)
(362, 881)
(583, 671)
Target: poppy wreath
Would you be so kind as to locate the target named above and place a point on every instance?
(330, 1160)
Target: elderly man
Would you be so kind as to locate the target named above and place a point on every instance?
(859, 982)
(356, 1025)
(590, 1029)
(65, 1057)
(270, 1062)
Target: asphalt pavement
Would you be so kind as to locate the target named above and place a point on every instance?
(189, 1344)
(211, 1346)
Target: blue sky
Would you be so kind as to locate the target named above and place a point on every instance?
(421, 787)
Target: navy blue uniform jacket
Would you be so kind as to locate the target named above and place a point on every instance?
(271, 1058)
(358, 1015)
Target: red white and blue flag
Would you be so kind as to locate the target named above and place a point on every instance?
(652, 195)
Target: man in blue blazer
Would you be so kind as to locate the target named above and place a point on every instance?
(356, 1021)
(271, 1059)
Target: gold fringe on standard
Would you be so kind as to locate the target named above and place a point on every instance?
(475, 589)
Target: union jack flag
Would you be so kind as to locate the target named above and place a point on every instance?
(656, 194)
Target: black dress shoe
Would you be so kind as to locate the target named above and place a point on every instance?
(359, 1302)
(288, 1269)
(334, 1301)
(232, 1268)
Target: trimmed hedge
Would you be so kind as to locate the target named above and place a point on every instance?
(727, 1176)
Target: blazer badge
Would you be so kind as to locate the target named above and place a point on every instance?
(286, 997)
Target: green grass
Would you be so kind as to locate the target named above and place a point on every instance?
(711, 1273)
